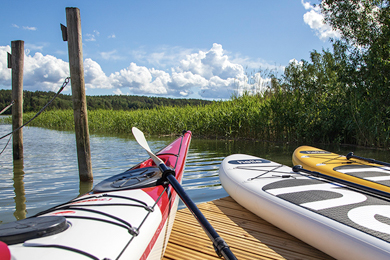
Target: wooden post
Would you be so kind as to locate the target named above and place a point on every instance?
(17, 62)
(75, 50)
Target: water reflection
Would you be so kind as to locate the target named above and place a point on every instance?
(48, 176)
(85, 187)
(20, 195)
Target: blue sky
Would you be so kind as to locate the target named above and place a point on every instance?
(185, 49)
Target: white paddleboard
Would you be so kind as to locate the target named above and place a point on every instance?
(340, 221)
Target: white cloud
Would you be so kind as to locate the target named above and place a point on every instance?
(94, 76)
(5, 72)
(39, 73)
(91, 37)
(111, 55)
(210, 74)
(211, 63)
(29, 47)
(162, 57)
(141, 80)
(44, 72)
(117, 92)
(309, 6)
(315, 20)
(30, 28)
(295, 61)
(210, 71)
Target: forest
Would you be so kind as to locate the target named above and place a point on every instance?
(34, 101)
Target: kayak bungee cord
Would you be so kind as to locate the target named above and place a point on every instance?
(143, 221)
(60, 207)
(220, 246)
(65, 248)
(133, 231)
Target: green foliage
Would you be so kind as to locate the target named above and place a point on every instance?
(364, 52)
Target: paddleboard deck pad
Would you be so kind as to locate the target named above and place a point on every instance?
(127, 216)
(340, 221)
(353, 170)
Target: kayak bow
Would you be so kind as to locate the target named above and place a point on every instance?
(126, 216)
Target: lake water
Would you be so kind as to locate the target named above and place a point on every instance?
(48, 174)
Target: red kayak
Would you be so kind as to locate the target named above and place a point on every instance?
(127, 216)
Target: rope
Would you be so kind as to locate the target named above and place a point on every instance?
(6, 145)
(5, 109)
(40, 111)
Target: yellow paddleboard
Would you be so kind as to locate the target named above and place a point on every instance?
(353, 170)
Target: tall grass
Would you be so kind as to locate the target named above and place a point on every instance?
(239, 117)
(281, 117)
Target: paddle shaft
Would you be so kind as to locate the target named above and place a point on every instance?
(351, 155)
(220, 245)
(298, 168)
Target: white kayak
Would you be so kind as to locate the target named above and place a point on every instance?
(343, 222)
(127, 216)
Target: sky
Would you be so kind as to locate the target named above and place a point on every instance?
(178, 49)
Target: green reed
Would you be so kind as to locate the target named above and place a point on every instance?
(280, 117)
(234, 118)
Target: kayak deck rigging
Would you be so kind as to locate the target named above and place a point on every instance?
(70, 210)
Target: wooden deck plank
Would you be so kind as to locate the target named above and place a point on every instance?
(175, 251)
(204, 244)
(237, 237)
(251, 222)
(248, 236)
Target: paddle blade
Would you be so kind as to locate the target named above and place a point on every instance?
(140, 138)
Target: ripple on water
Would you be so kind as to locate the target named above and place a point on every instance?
(48, 175)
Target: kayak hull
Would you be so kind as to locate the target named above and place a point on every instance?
(305, 207)
(127, 216)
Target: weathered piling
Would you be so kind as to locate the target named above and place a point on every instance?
(75, 51)
(16, 62)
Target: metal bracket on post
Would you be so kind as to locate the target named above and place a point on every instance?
(64, 31)
(9, 60)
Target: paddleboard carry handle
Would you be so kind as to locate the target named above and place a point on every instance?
(351, 155)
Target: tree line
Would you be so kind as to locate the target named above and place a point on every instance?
(340, 95)
(34, 101)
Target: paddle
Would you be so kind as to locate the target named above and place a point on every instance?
(220, 246)
(350, 155)
(299, 168)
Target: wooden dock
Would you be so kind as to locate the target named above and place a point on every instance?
(248, 236)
